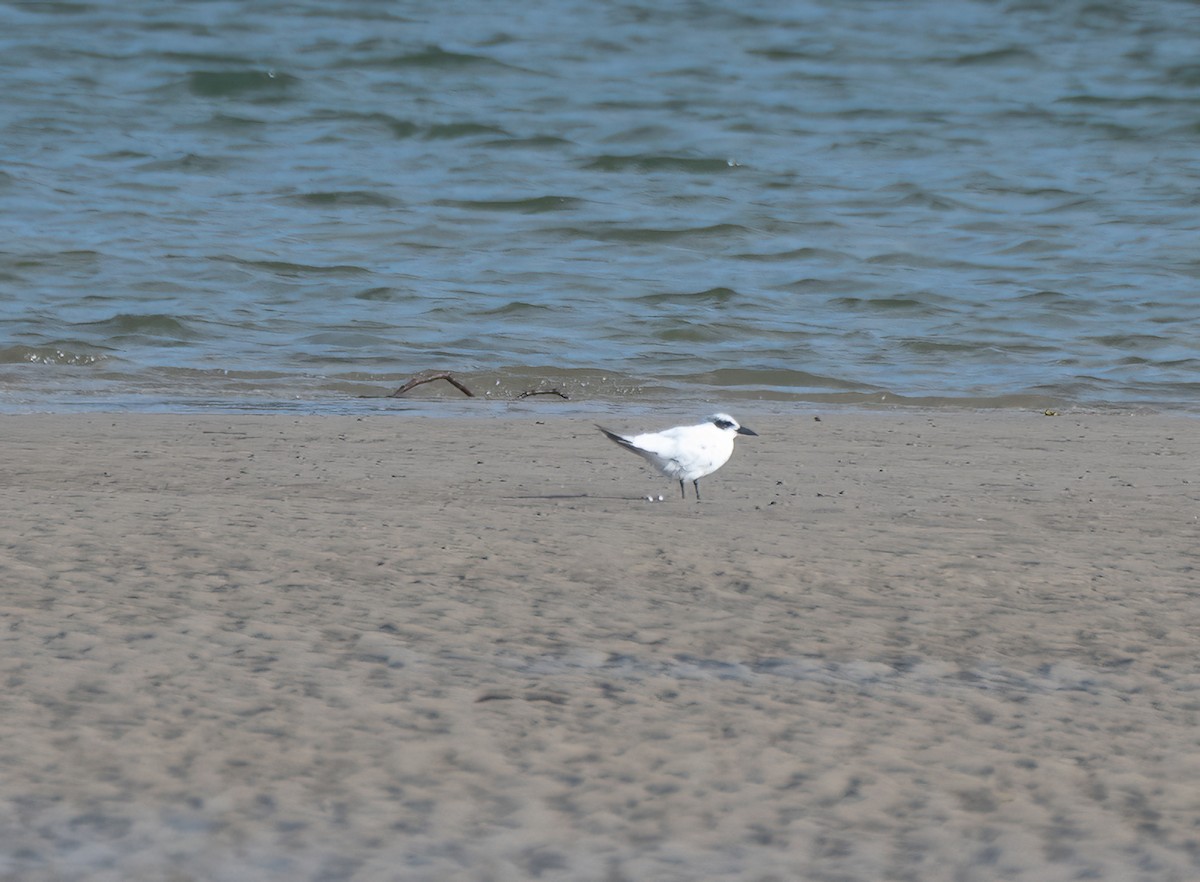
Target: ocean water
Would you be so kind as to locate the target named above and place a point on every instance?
(301, 205)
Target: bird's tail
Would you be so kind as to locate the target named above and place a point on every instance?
(647, 455)
(617, 439)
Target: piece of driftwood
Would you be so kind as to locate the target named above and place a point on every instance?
(562, 395)
(429, 377)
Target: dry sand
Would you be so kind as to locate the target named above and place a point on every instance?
(887, 646)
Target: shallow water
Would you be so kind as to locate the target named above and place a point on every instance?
(296, 205)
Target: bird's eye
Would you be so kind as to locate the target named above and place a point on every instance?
(723, 424)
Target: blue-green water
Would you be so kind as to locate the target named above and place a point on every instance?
(218, 204)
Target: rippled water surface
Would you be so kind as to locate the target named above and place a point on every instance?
(263, 205)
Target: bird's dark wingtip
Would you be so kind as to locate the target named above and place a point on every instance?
(613, 436)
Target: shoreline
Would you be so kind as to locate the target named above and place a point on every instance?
(935, 645)
(439, 400)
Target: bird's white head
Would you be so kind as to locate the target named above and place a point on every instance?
(727, 423)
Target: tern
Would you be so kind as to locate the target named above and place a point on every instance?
(686, 453)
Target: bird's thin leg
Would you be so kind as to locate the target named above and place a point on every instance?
(696, 484)
(682, 491)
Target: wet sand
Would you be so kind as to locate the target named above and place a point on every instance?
(887, 646)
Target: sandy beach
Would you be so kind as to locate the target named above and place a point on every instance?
(886, 646)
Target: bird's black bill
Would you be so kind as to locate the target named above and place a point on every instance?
(742, 430)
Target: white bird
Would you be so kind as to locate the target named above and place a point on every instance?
(686, 453)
